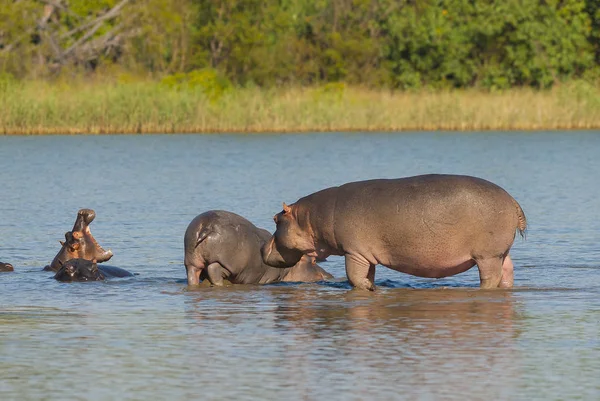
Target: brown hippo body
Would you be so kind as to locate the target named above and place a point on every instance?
(6, 267)
(428, 226)
(80, 243)
(223, 245)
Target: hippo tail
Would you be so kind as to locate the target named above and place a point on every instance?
(522, 225)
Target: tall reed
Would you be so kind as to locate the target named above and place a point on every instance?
(38, 107)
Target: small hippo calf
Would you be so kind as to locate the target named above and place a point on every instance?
(223, 245)
(6, 267)
(428, 226)
(80, 243)
(87, 270)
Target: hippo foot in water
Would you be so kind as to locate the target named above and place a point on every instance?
(87, 270)
(6, 267)
(79, 243)
(221, 245)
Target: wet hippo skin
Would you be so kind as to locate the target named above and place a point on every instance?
(87, 270)
(428, 226)
(221, 245)
(80, 243)
(6, 267)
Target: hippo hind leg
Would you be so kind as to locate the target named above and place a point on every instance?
(507, 273)
(361, 274)
(216, 273)
(490, 272)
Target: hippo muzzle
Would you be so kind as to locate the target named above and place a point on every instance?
(279, 257)
(84, 218)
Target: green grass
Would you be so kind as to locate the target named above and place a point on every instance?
(96, 107)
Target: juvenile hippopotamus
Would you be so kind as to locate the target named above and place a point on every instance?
(428, 226)
(6, 267)
(80, 243)
(87, 270)
(223, 245)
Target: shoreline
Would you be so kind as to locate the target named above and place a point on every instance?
(48, 131)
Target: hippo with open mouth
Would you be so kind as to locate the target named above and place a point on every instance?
(223, 245)
(80, 243)
(87, 270)
(428, 226)
(6, 267)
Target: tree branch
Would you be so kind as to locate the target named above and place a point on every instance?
(113, 12)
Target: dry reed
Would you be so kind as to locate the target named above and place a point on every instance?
(35, 107)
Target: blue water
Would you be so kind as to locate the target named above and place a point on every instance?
(153, 337)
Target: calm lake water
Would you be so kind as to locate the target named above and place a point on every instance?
(153, 337)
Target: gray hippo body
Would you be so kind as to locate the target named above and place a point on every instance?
(87, 270)
(79, 243)
(428, 226)
(6, 267)
(223, 245)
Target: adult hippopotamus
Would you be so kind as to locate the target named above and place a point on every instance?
(87, 270)
(223, 245)
(428, 226)
(80, 243)
(6, 267)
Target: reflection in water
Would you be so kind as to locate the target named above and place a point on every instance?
(425, 342)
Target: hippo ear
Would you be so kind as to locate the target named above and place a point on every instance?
(62, 243)
(286, 209)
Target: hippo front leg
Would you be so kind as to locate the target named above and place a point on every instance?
(216, 273)
(360, 273)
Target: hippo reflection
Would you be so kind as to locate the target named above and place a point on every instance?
(80, 243)
(434, 337)
(87, 270)
(6, 267)
(223, 245)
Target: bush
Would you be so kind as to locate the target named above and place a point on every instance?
(207, 81)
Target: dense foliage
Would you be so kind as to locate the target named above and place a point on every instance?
(376, 43)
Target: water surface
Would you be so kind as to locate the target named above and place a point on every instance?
(153, 337)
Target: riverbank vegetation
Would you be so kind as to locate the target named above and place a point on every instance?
(297, 65)
(38, 107)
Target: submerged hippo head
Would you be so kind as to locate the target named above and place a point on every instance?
(289, 242)
(6, 267)
(80, 243)
(79, 270)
